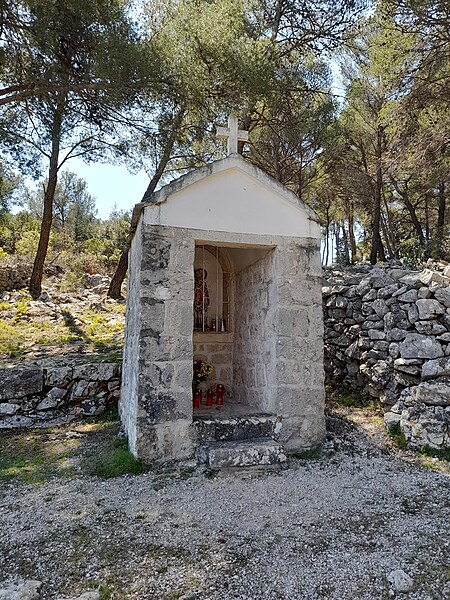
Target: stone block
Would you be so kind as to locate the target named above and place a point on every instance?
(52, 399)
(58, 377)
(20, 381)
(164, 405)
(294, 322)
(436, 392)
(380, 307)
(152, 315)
(164, 442)
(376, 334)
(7, 409)
(396, 335)
(303, 432)
(391, 419)
(429, 327)
(179, 318)
(420, 346)
(408, 296)
(442, 295)
(395, 320)
(96, 371)
(424, 293)
(428, 277)
(411, 366)
(222, 455)
(429, 309)
(389, 290)
(413, 313)
(164, 347)
(439, 367)
(156, 247)
(83, 389)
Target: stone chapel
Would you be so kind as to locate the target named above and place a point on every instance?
(225, 269)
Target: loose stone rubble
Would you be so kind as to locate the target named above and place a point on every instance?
(334, 528)
(387, 332)
(34, 394)
(31, 590)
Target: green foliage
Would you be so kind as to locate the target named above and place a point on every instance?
(397, 435)
(105, 592)
(412, 252)
(117, 461)
(442, 454)
(356, 400)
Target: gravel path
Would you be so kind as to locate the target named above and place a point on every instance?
(330, 528)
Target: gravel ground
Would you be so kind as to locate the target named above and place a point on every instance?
(329, 528)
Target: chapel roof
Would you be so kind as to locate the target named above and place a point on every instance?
(233, 161)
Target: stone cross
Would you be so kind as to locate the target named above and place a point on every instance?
(232, 134)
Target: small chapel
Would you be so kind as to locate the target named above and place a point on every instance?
(223, 356)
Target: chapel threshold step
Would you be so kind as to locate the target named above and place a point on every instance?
(216, 427)
(248, 454)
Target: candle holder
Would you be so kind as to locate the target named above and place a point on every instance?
(197, 398)
(209, 398)
(220, 390)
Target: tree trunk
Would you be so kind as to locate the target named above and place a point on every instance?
(115, 287)
(327, 234)
(351, 231)
(442, 203)
(377, 250)
(35, 286)
(386, 237)
(390, 236)
(412, 211)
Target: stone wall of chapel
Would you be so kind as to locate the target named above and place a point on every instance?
(162, 361)
(156, 399)
(299, 366)
(129, 387)
(254, 351)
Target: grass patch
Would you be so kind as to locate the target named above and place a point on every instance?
(397, 436)
(105, 592)
(99, 331)
(442, 454)
(314, 453)
(117, 461)
(354, 400)
(36, 456)
(33, 458)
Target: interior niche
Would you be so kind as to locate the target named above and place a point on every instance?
(236, 284)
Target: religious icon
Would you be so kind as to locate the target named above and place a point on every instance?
(201, 298)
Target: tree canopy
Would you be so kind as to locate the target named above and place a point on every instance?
(148, 82)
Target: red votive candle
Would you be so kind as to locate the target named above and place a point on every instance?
(219, 393)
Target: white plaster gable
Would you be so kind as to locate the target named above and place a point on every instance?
(231, 195)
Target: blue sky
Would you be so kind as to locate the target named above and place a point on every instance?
(110, 185)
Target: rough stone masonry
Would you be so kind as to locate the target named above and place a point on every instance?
(387, 331)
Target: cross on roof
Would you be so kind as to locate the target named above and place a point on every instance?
(232, 134)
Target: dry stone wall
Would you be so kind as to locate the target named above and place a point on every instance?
(33, 395)
(387, 332)
(14, 277)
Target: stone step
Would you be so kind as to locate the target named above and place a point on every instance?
(254, 453)
(236, 428)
